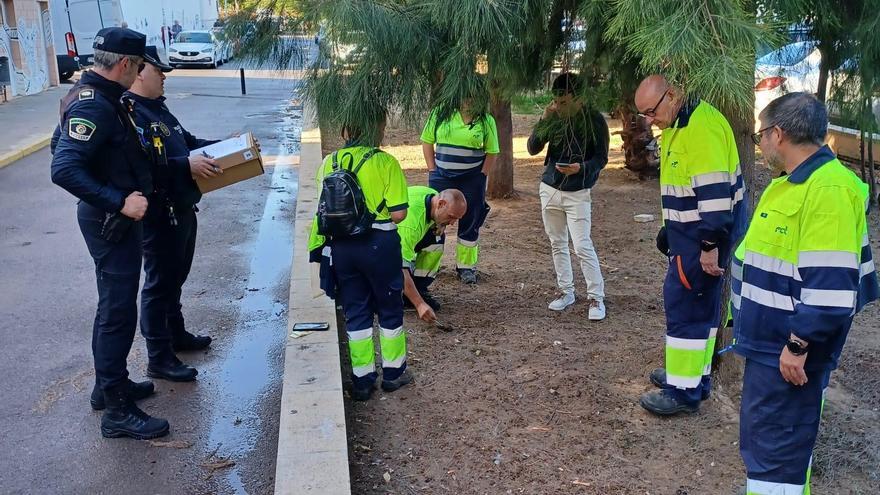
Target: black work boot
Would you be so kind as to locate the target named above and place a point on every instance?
(467, 275)
(362, 394)
(136, 391)
(430, 301)
(123, 419)
(392, 385)
(171, 369)
(184, 341)
(666, 403)
(658, 379)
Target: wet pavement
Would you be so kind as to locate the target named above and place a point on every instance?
(223, 426)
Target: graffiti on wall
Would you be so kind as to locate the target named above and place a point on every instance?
(32, 76)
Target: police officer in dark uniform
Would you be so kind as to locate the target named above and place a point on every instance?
(100, 159)
(169, 224)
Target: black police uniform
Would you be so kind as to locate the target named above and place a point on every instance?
(100, 159)
(169, 227)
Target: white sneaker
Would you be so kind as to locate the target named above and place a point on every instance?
(597, 310)
(564, 301)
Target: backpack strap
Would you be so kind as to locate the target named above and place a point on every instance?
(364, 159)
(335, 163)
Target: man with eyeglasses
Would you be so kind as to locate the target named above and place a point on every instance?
(701, 197)
(100, 158)
(801, 273)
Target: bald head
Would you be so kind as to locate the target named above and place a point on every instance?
(448, 207)
(650, 90)
(658, 100)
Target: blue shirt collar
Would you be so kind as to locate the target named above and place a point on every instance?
(803, 171)
(685, 112)
(428, 218)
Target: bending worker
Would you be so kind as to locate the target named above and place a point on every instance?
(802, 272)
(355, 235)
(421, 242)
(460, 150)
(169, 225)
(701, 195)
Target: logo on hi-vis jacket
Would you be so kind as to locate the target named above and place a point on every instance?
(80, 129)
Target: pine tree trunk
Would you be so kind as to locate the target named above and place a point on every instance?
(728, 369)
(637, 135)
(501, 179)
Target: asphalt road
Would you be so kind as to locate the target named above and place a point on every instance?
(238, 293)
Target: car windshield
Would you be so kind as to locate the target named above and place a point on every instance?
(194, 37)
(788, 55)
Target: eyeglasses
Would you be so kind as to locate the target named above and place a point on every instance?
(137, 61)
(653, 112)
(756, 137)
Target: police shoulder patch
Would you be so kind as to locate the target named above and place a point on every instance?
(80, 129)
(87, 94)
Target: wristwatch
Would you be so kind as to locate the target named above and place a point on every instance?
(795, 347)
(707, 246)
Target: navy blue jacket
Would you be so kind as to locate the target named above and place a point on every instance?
(97, 155)
(181, 188)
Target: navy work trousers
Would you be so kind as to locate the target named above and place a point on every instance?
(117, 270)
(168, 256)
(778, 427)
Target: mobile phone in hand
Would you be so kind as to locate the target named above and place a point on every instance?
(563, 164)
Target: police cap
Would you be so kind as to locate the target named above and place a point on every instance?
(122, 41)
(151, 56)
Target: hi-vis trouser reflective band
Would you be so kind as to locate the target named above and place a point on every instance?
(393, 345)
(427, 262)
(689, 360)
(467, 254)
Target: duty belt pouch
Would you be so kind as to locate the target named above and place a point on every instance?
(115, 226)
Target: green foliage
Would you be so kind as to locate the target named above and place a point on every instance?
(531, 103)
(408, 56)
(706, 46)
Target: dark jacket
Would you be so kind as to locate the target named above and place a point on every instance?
(176, 179)
(97, 155)
(582, 139)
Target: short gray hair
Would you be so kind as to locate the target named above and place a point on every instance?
(802, 117)
(107, 60)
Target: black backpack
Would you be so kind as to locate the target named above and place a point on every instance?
(342, 208)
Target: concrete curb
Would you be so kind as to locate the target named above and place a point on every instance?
(25, 150)
(312, 443)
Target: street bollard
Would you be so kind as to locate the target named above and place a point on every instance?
(241, 73)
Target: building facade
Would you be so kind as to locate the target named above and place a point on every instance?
(27, 54)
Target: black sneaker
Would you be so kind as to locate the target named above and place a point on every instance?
(467, 275)
(392, 385)
(658, 379)
(665, 403)
(136, 391)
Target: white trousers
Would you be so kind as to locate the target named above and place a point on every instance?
(567, 213)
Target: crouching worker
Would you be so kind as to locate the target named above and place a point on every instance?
(421, 243)
(363, 197)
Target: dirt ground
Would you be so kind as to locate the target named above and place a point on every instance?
(520, 399)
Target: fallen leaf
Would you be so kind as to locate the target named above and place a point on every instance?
(387, 477)
(218, 464)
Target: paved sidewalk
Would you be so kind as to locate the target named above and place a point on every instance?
(27, 123)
